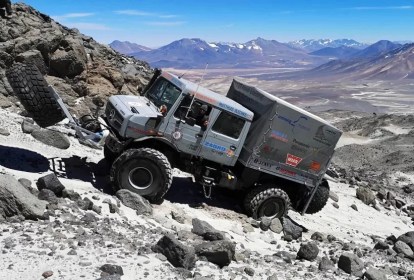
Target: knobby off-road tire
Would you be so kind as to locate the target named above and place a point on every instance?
(109, 156)
(267, 200)
(33, 92)
(144, 171)
(319, 199)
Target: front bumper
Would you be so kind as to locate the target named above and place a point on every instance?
(113, 144)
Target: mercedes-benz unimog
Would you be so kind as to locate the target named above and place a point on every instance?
(249, 141)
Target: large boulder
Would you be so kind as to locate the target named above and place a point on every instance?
(365, 195)
(408, 238)
(403, 248)
(219, 252)
(308, 251)
(51, 138)
(134, 201)
(351, 264)
(176, 253)
(292, 229)
(374, 274)
(15, 199)
(205, 230)
(69, 59)
(50, 182)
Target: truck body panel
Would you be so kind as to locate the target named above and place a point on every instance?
(283, 139)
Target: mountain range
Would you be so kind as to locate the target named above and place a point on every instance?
(196, 53)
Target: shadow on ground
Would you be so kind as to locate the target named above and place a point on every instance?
(23, 160)
(184, 191)
(77, 168)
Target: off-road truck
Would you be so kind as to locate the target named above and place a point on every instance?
(254, 143)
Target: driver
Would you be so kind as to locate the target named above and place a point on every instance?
(202, 116)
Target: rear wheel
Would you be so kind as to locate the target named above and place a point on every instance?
(267, 201)
(144, 171)
(33, 92)
(319, 199)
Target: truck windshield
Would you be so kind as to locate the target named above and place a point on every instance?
(163, 92)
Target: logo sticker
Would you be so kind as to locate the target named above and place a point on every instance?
(278, 135)
(315, 166)
(177, 135)
(293, 160)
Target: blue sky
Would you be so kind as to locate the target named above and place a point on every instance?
(154, 23)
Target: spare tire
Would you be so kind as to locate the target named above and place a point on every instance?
(33, 92)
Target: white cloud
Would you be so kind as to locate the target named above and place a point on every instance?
(72, 15)
(383, 8)
(88, 26)
(144, 14)
(165, 23)
(134, 13)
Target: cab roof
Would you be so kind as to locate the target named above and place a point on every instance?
(210, 97)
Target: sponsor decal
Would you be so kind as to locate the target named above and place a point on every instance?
(321, 137)
(230, 153)
(214, 146)
(177, 135)
(278, 135)
(287, 172)
(315, 166)
(139, 131)
(295, 123)
(301, 143)
(293, 160)
(262, 163)
(233, 110)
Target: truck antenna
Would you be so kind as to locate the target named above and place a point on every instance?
(195, 94)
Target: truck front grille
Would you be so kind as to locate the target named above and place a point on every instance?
(114, 117)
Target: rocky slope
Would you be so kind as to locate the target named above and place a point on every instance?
(59, 219)
(75, 64)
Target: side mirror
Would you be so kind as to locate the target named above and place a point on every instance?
(190, 121)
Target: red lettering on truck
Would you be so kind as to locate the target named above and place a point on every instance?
(293, 160)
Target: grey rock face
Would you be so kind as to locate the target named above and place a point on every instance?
(351, 264)
(71, 194)
(308, 251)
(265, 223)
(51, 138)
(17, 200)
(28, 126)
(112, 269)
(218, 252)
(317, 236)
(4, 132)
(276, 226)
(48, 195)
(134, 201)
(177, 254)
(70, 58)
(205, 230)
(374, 274)
(326, 264)
(365, 195)
(50, 182)
(408, 238)
(291, 229)
(402, 248)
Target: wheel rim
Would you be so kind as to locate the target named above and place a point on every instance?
(272, 208)
(140, 178)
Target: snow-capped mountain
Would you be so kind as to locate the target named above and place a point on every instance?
(312, 45)
(127, 47)
(195, 53)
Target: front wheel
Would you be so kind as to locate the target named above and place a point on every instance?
(267, 201)
(144, 171)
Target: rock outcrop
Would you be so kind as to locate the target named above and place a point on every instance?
(75, 64)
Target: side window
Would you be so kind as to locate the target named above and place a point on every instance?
(229, 125)
(199, 111)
